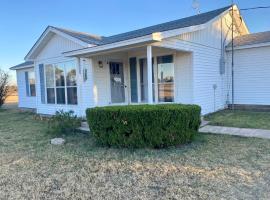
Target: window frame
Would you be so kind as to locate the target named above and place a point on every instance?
(65, 87)
(158, 83)
(29, 93)
(155, 77)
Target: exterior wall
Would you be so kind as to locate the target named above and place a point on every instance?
(51, 54)
(207, 48)
(183, 78)
(55, 47)
(102, 89)
(24, 100)
(197, 69)
(251, 76)
(182, 71)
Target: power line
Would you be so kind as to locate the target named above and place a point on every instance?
(255, 8)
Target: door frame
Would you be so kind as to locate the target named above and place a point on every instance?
(125, 85)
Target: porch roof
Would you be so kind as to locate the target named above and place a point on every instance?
(26, 64)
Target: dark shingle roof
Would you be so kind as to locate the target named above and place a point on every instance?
(176, 24)
(101, 40)
(22, 65)
(85, 37)
(251, 39)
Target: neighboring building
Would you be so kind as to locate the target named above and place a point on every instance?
(251, 69)
(181, 61)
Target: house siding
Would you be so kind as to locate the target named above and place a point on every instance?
(183, 78)
(24, 100)
(50, 54)
(197, 69)
(251, 76)
(206, 47)
(102, 89)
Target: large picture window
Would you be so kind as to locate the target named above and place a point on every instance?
(61, 83)
(165, 78)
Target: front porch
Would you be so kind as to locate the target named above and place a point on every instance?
(146, 74)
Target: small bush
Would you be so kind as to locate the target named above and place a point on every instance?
(63, 123)
(154, 126)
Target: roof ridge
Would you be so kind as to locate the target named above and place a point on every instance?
(108, 39)
(79, 32)
(251, 39)
(257, 33)
(197, 15)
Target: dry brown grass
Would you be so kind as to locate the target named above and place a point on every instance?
(213, 167)
(12, 99)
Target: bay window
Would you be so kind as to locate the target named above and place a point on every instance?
(61, 83)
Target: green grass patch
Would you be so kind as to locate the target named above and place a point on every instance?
(241, 119)
(211, 167)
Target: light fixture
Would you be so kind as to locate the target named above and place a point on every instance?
(100, 64)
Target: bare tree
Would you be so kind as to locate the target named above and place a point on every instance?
(4, 79)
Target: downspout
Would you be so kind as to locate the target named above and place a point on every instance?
(232, 57)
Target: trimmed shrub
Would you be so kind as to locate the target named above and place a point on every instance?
(63, 123)
(154, 126)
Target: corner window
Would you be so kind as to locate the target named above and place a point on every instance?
(61, 83)
(165, 78)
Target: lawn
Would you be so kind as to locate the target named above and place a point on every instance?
(241, 119)
(213, 167)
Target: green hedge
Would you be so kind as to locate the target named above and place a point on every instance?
(154, 126)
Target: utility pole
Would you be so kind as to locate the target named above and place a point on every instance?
(232, 55)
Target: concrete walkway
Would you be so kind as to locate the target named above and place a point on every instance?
(244, 132)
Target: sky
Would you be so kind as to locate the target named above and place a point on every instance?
(23, 21)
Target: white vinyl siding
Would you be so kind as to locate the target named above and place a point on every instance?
(52, 53)
(252, 76)
(25, 101)
(196, 70)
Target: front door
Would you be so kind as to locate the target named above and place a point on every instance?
(117, 82)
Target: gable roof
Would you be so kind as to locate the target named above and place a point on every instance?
(252, 39)
(88, 40)
(23, 65)
(84, 37)
(176, 24)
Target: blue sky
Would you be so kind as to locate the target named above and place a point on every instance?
(23, 21)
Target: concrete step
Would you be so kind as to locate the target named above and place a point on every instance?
(204, 123)
(84, 124)
(84, 128)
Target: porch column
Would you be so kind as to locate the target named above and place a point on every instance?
(91, 82)
(149, 74)
(87, 84)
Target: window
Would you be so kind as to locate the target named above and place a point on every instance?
(71, 83)
(165, 78)
(49, 70)
(61, 83)
(30, 83)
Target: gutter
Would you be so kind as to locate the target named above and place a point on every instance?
(249, 46)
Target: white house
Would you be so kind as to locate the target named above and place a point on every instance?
(182, 61)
